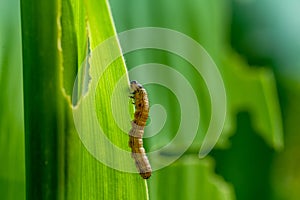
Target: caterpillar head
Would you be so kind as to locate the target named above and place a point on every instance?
(134, 85)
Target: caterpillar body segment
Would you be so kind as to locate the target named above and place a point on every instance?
(136, 132)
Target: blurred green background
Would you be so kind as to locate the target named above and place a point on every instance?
(255, 44)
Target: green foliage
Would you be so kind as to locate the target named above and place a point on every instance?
(192, 178)
(12, 157)
(60, 41)
(247, 89)
(55, 43)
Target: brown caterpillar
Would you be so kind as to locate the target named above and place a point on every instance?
(136, 133)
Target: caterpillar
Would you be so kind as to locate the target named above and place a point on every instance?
(136, 132)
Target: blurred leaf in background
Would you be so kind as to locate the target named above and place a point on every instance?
(12, 156)
(267, 33)
(250, 90)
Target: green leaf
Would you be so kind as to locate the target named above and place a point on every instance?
(56, 39)
(12, 167)
(253, 90)
(192, 179)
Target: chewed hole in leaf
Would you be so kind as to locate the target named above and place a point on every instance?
(83, 79)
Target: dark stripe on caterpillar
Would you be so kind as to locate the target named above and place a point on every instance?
(136, 133)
